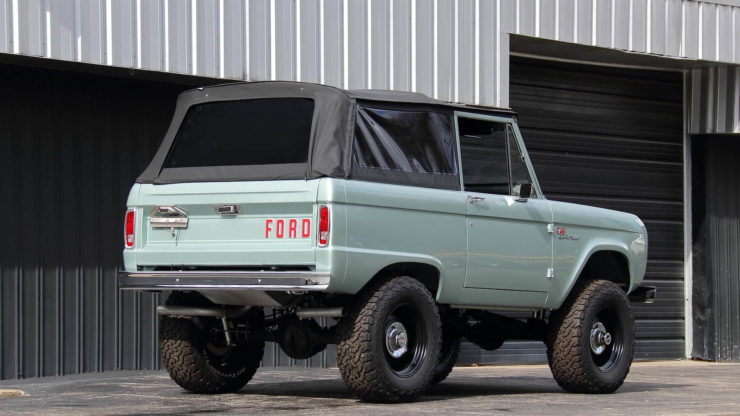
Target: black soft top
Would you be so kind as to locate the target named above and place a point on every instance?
(332, 131)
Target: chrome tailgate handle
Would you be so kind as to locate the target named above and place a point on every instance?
(227, 209)
(168, 216)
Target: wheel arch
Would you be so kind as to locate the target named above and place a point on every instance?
(605, 262)
(426, 273)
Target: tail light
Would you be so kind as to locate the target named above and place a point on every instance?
(128, 235)
(323, 225)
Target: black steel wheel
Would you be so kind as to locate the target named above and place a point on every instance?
(199, 359)
(389, 344)
(591, 339)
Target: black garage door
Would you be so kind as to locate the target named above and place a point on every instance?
(611, 138)
(70, 146)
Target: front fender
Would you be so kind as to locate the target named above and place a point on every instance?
(566, 277)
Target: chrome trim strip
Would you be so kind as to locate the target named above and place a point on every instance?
(224, 280)
(231, 274)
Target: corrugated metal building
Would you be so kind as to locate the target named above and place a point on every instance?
(627, 104)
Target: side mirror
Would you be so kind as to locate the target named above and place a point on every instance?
(525, 191)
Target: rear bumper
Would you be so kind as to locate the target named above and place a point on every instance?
(224, 280)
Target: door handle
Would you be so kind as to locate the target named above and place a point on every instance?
(474, 199)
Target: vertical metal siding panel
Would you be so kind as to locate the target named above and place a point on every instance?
(566, 23)
(284, 42)
(123, 32)
(234, 39)
(152, 35)
(30, 25)
(736, 34)
(708, 46)
(657, 26)
(446, 54)
(547, 15)
(207, 31)
(621, 24)
(506, 18)
(380, 29)
(673, 28)
(357, 47)
(721, 99)
(465, 59)
(715, 100)
(724, 28)
(333, 43)
(401, 46)
(6, 32)
(259, 40)
(92, 31)
(584, 29)
(603, 23)
(724, 242)
(690, 37)
(488, 53)
(425, 48)
(639, 25)
(310, 46)
(526, 17)
(179, 57)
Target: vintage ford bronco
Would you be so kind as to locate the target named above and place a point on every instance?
(406, 223)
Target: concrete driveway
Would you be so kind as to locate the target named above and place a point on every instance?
(659, 388)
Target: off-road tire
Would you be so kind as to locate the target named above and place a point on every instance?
(573, 363)
(183, 343)
(449, 351)
(362, 355)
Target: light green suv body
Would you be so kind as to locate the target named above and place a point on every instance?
(492, 253)
(254, 240)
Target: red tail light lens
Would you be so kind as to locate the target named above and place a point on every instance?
(323, 226)
(128, 236)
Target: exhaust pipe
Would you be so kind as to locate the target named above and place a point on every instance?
(321, 313)
(202, 311)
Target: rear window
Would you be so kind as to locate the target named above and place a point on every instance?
(245, 132)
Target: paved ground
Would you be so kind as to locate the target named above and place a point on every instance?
(661, 388)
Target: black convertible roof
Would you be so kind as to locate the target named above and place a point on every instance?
(390, 96)
(331, 132)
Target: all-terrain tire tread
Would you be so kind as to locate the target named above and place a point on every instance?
(567, 358)
(446, 364)
(183, 357)
(355, 347)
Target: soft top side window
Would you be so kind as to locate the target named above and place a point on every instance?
(412, 141)
(491, 160)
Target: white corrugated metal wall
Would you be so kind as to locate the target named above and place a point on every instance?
(452, 50)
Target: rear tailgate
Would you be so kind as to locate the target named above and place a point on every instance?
(273, 225)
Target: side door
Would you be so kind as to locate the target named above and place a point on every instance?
(509, 237)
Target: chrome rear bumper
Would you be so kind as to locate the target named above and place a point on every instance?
(224, 280)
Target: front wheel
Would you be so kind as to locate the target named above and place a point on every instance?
(388, 346)
(591, 339)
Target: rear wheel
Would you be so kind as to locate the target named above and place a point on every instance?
(591, 339)
(198, 358)
(449, 351)
(388, 346)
